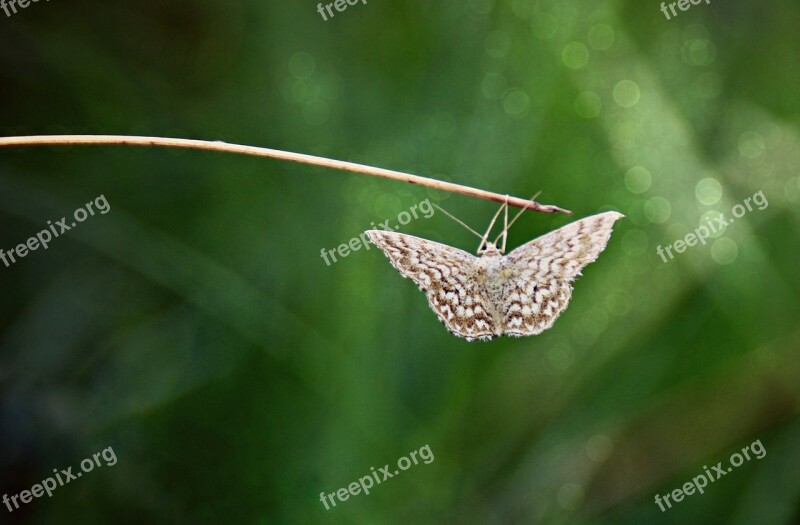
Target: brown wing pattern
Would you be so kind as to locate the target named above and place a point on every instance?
(446, 275)
(543, 269)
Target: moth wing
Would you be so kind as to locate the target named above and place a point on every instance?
(447, 276)
(544, 269)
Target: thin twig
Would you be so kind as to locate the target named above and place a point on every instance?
(108, 140)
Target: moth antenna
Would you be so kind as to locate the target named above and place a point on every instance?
(485, 237)
(458, 221)
(505, 231)
(520, 212)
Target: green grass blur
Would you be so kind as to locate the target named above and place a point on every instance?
(196, 329)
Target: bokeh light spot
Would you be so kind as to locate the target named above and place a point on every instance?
(792, 190)
(387, 204)
(302, 65)
(316, 112)
(524, 8)
(635, 242)
(498, 43)
(626, 93)
(516, 103)
(638, 179)
(544, 26)
(482, 7)
(724, 250)
(709, 85)
(657, 210)
(698, 52)
(599, 448)
(570, 496)
(443, 124)
(619, 303)
(712, 220)
(494, 86)
(575, 55)
(560, 356)
(708, 191)
(601, 37)
(588, 105)
(751, 144)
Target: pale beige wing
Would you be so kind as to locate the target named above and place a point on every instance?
(446, 275)
(543, 269)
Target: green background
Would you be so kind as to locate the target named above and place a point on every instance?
(197, 331)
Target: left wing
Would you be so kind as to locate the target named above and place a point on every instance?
(447, 276)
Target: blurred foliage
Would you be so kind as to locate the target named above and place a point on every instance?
(196, 329)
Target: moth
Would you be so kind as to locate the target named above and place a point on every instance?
(492, 294)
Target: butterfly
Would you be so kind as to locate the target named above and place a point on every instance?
(493, 294)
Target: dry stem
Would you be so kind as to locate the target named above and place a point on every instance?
(107, 140)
